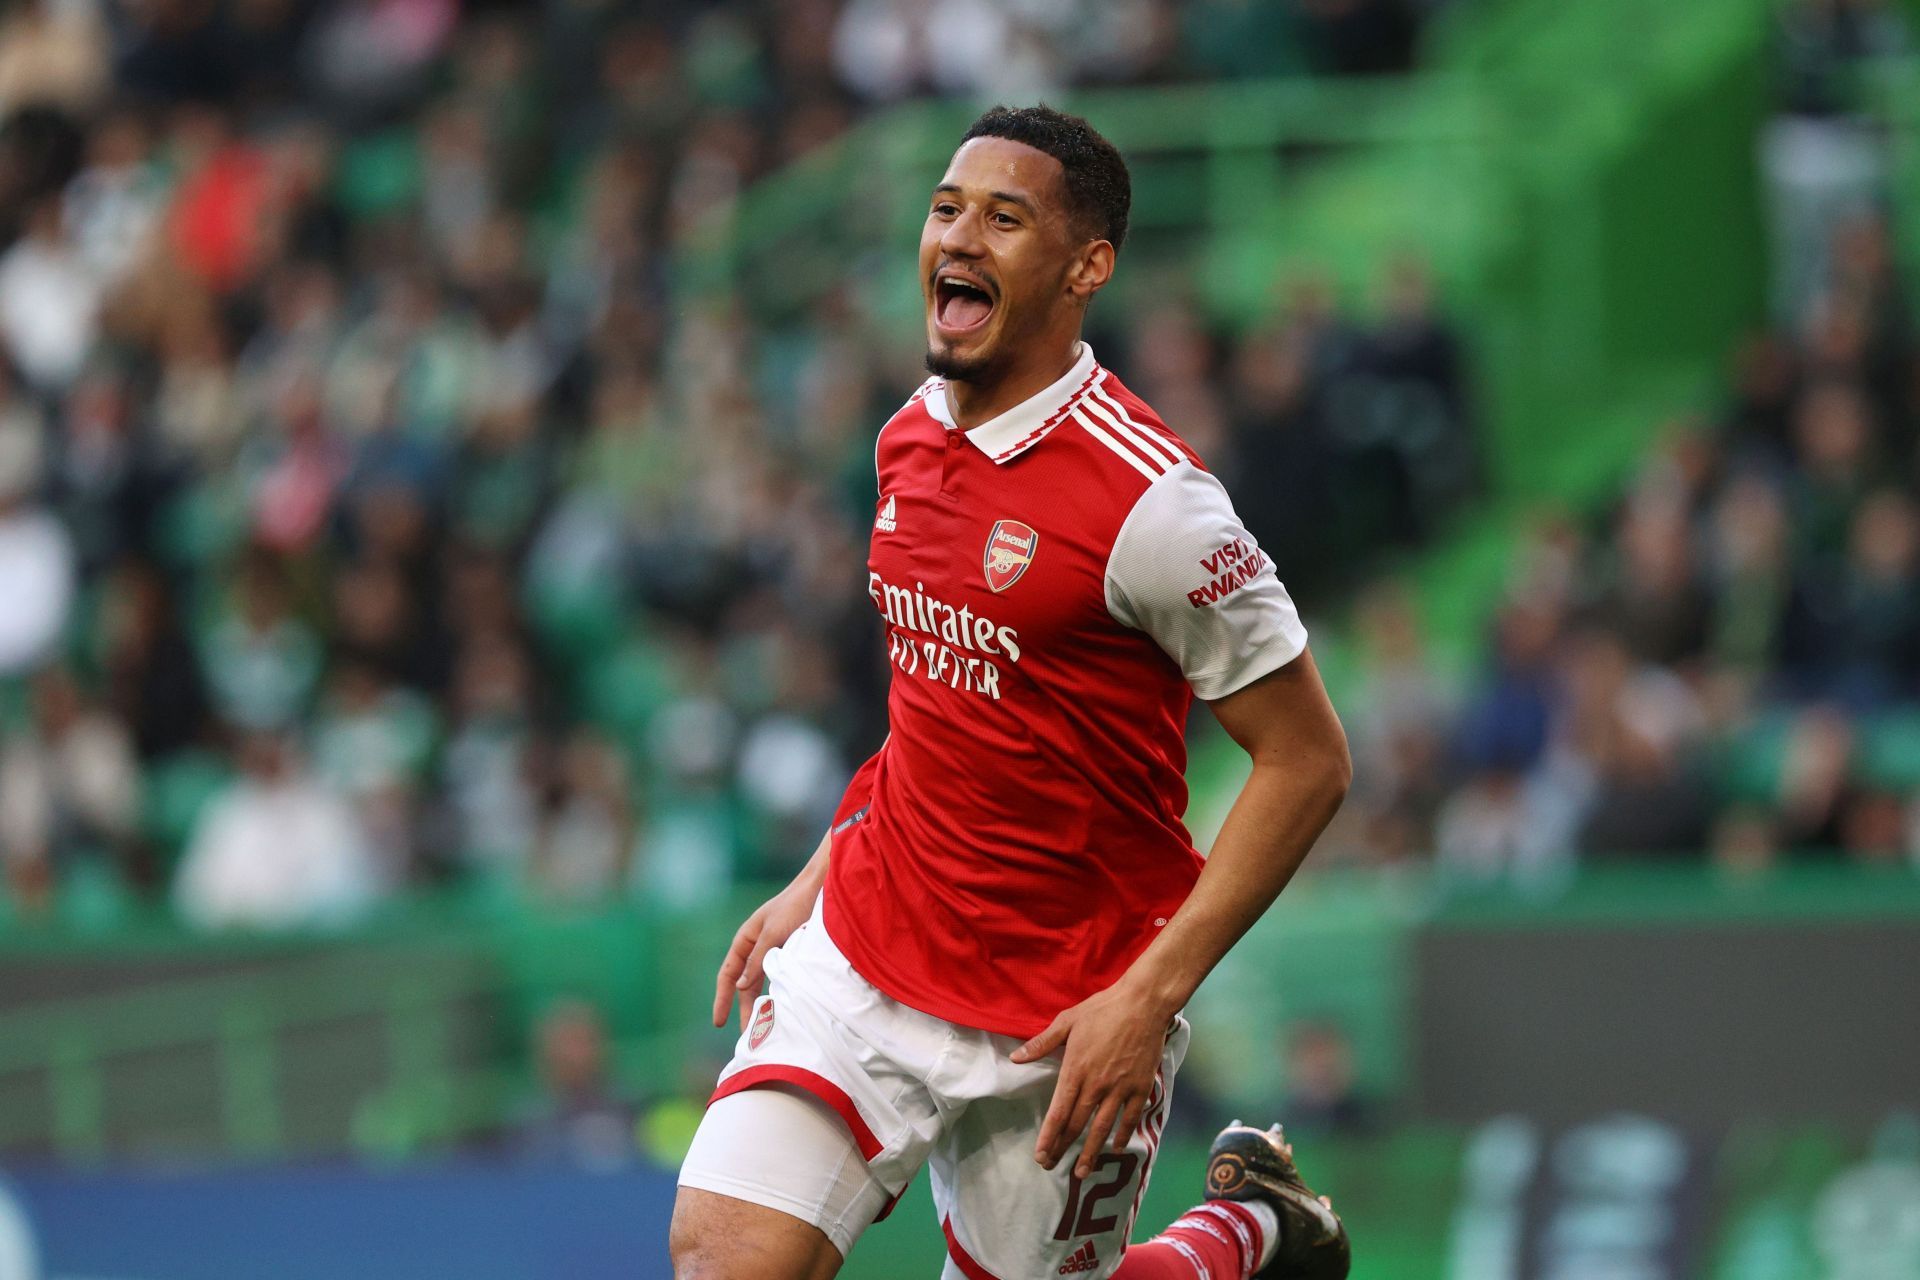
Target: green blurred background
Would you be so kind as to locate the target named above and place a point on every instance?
(435, 450)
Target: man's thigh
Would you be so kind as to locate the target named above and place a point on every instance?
(1007, 1218)
(773, 1174)
(822, 1115)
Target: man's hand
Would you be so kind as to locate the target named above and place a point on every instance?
(741, 972)
(1114, 1041)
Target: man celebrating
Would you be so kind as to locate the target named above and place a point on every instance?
(982, 966)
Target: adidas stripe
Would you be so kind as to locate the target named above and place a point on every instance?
(1152, 471)
(1142, 438)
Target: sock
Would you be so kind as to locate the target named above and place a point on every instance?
(1269, 1229)
(1219, 1240)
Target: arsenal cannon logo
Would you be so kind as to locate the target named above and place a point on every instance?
(1010, 549)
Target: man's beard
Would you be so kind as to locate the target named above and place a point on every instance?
(944, 364)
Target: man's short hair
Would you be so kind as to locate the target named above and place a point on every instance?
(1099, 189)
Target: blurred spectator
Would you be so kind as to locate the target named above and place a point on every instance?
(1747, 563)
(36, 554)
(1346, 437)
(369, 57)
(486, 761)
(53, 53)
(1823, 154)
(372, 744)
(276, 849)
(153, 675)
(1815, 781)
(69, 788)
(1323, 1091)
(1757, 420)
(1398, 728)
(380, 622)
(106, 480)
(1629, 731)
(1656, 600)
(1835, 465)
(1500, 826)
(578, 1120)
(1282, 457)
(584, 837)
(1419, 399)
(115, 202)
(1853, 634)
(1744, 844)
(49, 300)
(262, 661)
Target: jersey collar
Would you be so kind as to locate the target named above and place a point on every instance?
(1027, 423)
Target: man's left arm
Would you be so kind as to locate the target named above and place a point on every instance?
(1113, 1039)
(1187, 572)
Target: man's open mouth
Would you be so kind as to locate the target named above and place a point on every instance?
(960, 303)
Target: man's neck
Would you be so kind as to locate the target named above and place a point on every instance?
(977, 402)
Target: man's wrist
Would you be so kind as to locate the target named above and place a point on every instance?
(813, 876)
(1162, 988)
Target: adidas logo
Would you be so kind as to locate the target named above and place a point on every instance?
(885, 522)
(1083, 1259)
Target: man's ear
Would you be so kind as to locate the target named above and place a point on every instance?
(1091, 270)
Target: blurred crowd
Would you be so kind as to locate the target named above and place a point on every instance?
(365, 524)
(1728, 659)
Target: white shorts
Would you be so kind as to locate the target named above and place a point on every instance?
(911, 1089)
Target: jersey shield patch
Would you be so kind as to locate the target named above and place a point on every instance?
(762, 1025)
(1010, 549)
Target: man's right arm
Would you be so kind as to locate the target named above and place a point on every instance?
(741, 973)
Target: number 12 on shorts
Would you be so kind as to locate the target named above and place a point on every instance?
(1083, 1216)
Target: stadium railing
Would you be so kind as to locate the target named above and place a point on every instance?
(413, 1033)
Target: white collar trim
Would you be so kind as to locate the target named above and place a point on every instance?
(1020, 428)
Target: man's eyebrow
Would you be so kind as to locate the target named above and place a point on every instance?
(1005, 197)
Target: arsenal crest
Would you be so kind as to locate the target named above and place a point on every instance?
(762, 1025)
(1010, 549)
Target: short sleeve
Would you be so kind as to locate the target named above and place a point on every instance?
(1186, 571)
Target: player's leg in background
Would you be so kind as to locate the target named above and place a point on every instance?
(1260, 1221)
(1208, 1242)
(773, 1188)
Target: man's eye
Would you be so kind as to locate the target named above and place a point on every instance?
(945, 210)
(1006, 220)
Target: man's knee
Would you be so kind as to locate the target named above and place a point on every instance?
(699, 1247)
(695, 1259)
(716, 1237)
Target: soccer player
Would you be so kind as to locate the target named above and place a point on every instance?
(981, 968)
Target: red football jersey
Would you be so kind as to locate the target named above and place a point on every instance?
(1056, 584)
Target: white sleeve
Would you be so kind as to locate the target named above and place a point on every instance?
(1186, 571)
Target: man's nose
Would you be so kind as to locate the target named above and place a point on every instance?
(962, 239)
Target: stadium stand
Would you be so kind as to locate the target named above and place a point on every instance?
(435, 440)
(371, 527)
